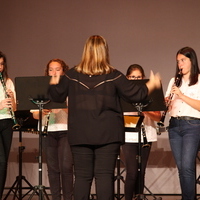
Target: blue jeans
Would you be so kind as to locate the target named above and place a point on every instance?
(95, 161)
(184, 137)
(59, 164)
(6, 134)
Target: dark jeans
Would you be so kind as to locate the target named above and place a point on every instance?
(95, 162)
(184, 137)
(6, 134)
(59, 164)
(130, 152)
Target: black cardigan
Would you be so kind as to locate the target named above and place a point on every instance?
(95, 114)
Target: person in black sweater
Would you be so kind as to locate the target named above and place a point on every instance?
(56, 145)
(96, 125)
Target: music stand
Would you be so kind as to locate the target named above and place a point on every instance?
(137, 121)
(31, 93)
(154, 102)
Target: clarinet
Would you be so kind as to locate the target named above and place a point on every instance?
(16, 126)
(176, 83)
(145, 142)
(45, 130)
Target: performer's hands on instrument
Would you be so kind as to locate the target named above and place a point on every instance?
(176, 90)
(6, 103)
(154, 82)
(54, 80)
(46, 111)
(10, 93)
(154, 115)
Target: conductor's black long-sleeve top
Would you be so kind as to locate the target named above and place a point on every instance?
(95, 114)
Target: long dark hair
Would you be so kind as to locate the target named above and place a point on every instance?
(194, 72)
(5, 68)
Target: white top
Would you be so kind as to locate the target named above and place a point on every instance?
(179, 107)
(57, 120)
(5, 113)
(150, 129)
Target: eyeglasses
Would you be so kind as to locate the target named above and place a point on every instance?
(134, 77)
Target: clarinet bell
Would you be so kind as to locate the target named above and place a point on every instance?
(16, 127)
(146, 145)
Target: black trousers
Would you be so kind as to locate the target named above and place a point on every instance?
(95, 161)
(59, 164)
(6, 134)
(130, 152)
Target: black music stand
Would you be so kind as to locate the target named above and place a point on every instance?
(154, 102)
(119, 178)
(138, 121)
(31, 93)
(25, 120)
